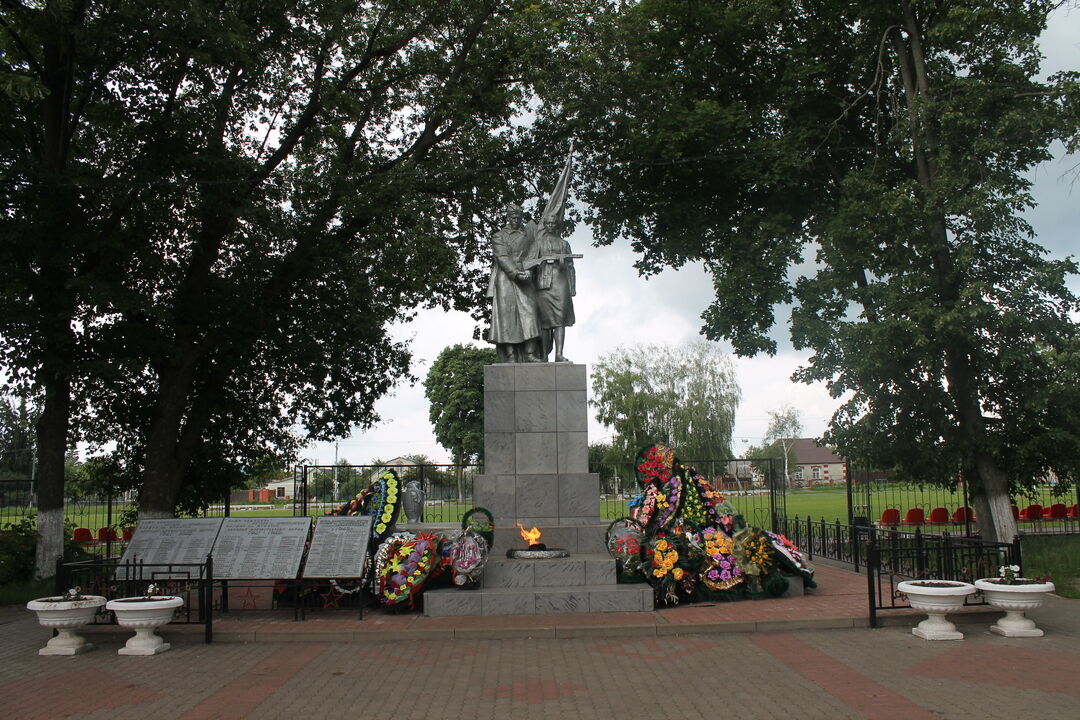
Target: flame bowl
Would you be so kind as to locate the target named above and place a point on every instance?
(536, 554)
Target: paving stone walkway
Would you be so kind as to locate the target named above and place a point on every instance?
(695, 662)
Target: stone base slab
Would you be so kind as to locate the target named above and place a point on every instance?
(538, 601)
(558, 572)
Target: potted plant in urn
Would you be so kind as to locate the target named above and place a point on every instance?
(936, 598)
(1015, 595)
(66, 614)
(144, 614)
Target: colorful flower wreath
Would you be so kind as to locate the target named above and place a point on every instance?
(643, 506)
(754, 551)
(722, 569)
(668, 502)
(663, 558)
(654, 463)
(788, 554)
(469, 557)
(385, 508)
(407, 565)
(381, 500)
(694, 508)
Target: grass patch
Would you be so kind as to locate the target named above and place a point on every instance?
(1057, 556)
(819, 504)
(22, 592)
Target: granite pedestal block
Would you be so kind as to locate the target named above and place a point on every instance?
(536, 472)
(536, 446)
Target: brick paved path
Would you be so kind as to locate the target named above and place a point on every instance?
(788, 673)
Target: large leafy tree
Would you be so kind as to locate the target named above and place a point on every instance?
(213, 210)
(886, 144)
(682, 395)
(454, 387)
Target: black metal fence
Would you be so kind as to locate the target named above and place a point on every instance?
(100, 523)
(833, 540)
(878, 496)
(890, 556)
(192, 582)
(317, 489)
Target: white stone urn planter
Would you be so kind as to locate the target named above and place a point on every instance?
(1015, 600)
(144, 615)
(66, 617)
(936, 598)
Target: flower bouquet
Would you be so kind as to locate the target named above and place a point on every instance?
(626, 543)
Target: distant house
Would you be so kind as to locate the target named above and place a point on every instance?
(815, 463)
(281, 489)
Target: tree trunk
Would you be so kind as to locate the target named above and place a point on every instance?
(52, 435)
(993, 511)
(990, 488)
(174, 436)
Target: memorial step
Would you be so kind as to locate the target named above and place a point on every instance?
(588, 569)
(538, 600)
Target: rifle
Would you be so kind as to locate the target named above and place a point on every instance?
(533, 262)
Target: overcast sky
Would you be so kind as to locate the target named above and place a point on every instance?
(614, 306)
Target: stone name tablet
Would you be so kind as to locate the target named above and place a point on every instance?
(170, 540)
(260, 548)
(339, 547)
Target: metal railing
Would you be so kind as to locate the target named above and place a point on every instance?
(110, 578)
(889, 556)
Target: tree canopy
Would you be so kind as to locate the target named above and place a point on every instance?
(866, 164)
(214, 210)
(455, 388)
(681, 395)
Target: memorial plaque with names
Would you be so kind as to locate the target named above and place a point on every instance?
(171, 540)
(339, 547)
(260, 548)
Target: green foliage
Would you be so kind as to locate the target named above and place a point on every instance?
(213, 212)
(684, 396)
(455, 388)
(18, 543)
(886, 147)
(17, 421)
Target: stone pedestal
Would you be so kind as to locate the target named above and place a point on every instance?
(536, 446)
(536, 472)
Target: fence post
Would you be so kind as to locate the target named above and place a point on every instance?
(855, 535)
(949, 567)
(59, 585)
(208, 600)
(1015, 553)
(303, 495)
(108, 524)
(920, 554)
(850, 486)
(809, 537)
(872, 569)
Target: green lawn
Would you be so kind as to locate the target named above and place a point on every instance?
(1057, 556)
